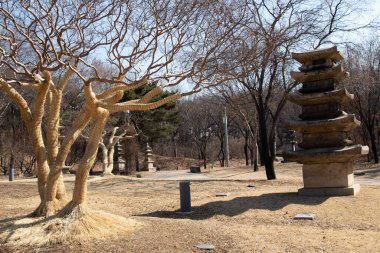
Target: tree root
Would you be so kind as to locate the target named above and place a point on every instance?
(53, 207)
(39, 211)
(73, 209)
(48, 209)
(74, 223)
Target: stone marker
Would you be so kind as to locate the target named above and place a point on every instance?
(304, 216)
(185, 198)
(327, 152)
(205, 246)
(221, 195)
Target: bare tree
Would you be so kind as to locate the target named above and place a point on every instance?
(244, 119)
(44, 44)
(247, 128)
(262, 54)
(197, 127)
(364, 67)
(108, 148)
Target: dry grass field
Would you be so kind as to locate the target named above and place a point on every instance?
(258, 219)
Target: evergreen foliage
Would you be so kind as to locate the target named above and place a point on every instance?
(157, 124)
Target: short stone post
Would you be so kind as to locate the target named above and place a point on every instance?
(185, 199)
(11, 168)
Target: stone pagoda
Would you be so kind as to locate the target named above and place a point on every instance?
(326, 151)
(148, 161)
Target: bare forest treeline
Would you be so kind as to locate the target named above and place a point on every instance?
(200, 132)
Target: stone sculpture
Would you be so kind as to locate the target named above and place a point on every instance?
(326, 151)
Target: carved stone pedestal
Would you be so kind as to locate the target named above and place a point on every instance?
(330, 191)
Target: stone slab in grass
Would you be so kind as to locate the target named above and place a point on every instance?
(304, 216)
(221, 195)
(205, 246)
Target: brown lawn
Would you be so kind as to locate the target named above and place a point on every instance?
(256, 219)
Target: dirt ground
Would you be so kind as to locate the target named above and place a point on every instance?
(249, 219)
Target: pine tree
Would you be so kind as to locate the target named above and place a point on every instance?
(158, 124)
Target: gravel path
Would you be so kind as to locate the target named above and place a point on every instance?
(366, 181)
(175, 175)
(291, 172)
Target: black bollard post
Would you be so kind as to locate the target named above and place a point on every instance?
(184, 191)
(11, 168)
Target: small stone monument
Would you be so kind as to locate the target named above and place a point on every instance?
(148, 162)
(195, 169)
(326, 151)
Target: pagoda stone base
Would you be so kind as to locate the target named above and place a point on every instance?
(330, 191)
(328, 175)
(149, 167)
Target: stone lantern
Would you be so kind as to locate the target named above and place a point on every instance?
(326, 151)
(118, 159)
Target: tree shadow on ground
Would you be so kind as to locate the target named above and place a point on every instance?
(239, 205)
(11, 225)
(7, 220)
